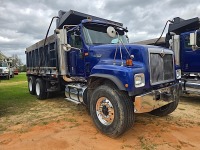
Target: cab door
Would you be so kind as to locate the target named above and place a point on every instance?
(190, 59)
(75, 59)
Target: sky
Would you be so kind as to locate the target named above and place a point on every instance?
(24, 22)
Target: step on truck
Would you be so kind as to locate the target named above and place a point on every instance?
(91, 60)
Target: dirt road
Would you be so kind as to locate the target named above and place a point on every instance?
(58, 124)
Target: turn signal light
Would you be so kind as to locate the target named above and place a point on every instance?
(129, 62)
(86, 54)
(126, 85)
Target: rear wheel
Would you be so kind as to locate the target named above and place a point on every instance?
(31, 84)
(40, 89)
(111, 110)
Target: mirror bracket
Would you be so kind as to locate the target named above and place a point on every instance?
(68, 47)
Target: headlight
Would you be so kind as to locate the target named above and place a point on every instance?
(178, 73)
(139, 80)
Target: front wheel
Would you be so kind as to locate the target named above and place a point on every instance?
(40, 89)
(112, 111)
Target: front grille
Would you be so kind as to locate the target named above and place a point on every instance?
(1, 70)
(161, 68)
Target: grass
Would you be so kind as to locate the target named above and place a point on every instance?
(127, 146)
(19, 110)
(20, 77)
(146, 144)
(14, 95)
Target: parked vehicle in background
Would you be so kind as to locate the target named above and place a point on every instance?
(16, 71)
(91, 60)
(183, 37)
(6, 69)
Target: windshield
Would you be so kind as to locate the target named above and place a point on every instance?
(3, 64)
(97, 34)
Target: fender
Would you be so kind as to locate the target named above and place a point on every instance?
(112, 78)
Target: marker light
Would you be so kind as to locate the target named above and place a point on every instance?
(129, 62)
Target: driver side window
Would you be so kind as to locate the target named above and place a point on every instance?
(198, 39)
(75, 40)
(187, 41)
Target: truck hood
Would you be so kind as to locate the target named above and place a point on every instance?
(105, 54)
(3, 69)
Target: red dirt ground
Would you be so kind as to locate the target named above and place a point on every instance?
(57, 124)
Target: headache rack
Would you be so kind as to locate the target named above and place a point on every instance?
(74, 18)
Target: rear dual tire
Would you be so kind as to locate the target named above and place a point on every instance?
(37, 87)
(31, 84)
(40, 89)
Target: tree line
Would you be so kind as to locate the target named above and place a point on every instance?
(17, 63)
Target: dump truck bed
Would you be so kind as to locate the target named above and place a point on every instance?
(37, 56)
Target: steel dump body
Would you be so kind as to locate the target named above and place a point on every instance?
(42, 59)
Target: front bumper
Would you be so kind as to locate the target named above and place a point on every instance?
(3, 74)
(156, 98)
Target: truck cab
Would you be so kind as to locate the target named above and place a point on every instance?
(184, 39)
(92, 58)
(189, 54)
(6, 69)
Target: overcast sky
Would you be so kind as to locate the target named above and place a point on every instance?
(24, 22)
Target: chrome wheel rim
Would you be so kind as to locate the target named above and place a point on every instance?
(105, 111)
(37, 89)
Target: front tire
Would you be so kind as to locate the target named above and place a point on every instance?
(40, 89)
(112, 110)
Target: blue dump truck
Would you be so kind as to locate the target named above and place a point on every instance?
(91, 60)
(183, 37)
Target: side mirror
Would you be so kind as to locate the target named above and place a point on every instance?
(111, 32)
(194, 40)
